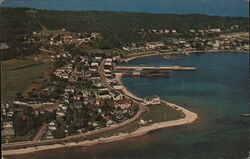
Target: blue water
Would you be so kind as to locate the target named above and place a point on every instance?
(210, 7)
(218, 92)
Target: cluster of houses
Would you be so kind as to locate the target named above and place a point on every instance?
(76, 89)
(196, 41)
(83, 94)
(77, 97)
(173, 31)
(199, 31)
(228, 42)
(8, 131)
(7, 124)
(64, 72)
(51, 128)
(76, 38)
(159, 31)
(53, 42)
(62, 37)
(154, 45)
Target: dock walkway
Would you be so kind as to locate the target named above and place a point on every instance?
(172, 68)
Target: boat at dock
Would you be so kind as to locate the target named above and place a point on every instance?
(246, 114)
(156, 75)
(148, 74)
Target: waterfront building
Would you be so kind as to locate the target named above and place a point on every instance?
(136, 73)
(153, 100)
(118, 86)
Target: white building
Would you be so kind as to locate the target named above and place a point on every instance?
(108, 59)
(52, 126)
(154, 45)
(153, 100)
(215, 30)
(174, 31)
(123, 104)
(118, 87)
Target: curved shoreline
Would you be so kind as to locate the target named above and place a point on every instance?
(188, 118)
(156, 53)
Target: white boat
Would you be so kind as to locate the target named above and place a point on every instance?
(248, 155)
(246, 114)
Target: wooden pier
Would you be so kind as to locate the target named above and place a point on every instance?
(169, 68)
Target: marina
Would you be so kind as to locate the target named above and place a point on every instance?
(147, 74)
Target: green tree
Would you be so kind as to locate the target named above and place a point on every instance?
(19, 96)
(59, 133)
(59, 63)
(49, 116)
(72, 128)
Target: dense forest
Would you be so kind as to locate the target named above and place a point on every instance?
(117, 28)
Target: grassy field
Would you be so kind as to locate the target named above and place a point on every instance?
(18, 75)
(157, 113)
(160, 113)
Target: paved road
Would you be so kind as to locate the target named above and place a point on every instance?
(40, 133)
(124, 91)
(103, 77)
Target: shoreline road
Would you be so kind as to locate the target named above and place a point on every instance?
(188, 118)
(76, 140)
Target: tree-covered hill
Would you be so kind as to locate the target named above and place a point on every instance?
(117, 28)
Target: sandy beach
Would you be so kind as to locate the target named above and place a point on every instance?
(189, 118)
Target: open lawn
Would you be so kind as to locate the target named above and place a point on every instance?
(18, 75)
(160, 113)
(157, 113)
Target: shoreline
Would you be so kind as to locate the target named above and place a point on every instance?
(156, 53)
(188, 118)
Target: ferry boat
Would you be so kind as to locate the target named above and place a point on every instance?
(148, 74)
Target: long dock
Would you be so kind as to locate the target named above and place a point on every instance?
(170, 68)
